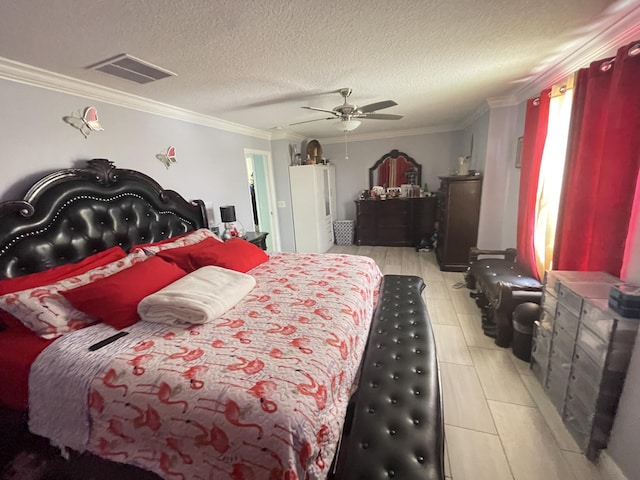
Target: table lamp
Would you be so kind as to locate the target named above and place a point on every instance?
(232, 228)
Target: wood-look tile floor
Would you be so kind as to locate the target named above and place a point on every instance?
(499, 424)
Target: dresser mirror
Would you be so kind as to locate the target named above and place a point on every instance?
(394, 169)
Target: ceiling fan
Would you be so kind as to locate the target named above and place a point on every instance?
(349, 114)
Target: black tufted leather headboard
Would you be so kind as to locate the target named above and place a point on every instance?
(73, 213)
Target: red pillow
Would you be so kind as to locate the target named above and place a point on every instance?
(235, 254)
(52, 275)
(115, 299)
(183, 256)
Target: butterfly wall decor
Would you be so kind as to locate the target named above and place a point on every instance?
(167, 158)
(86, 123)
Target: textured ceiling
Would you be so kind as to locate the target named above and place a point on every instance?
(256, 63)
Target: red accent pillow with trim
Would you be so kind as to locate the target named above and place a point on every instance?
(235, 254)
(44, 309)
(159, 242)
(189, 238)
(114, 299)
(38, 279)
(53, 275)
(183, 256)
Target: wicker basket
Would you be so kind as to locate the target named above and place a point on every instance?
(343, 231)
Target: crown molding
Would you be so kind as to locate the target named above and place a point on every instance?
(37, 77)
(480, 111)
(623, 27)
(285, 135)
(392, 134)
(498, 102)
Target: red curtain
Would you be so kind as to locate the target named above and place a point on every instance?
(602, 165)
(535, 134)
(631, 263)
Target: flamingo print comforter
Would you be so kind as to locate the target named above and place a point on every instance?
(260, 392)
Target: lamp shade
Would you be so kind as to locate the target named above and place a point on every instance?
(348, 125)
(228, 213)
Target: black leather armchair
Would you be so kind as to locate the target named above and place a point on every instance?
(501, 284)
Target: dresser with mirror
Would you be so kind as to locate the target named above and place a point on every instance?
(398, 219)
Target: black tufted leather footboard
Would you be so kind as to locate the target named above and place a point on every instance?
(396, 424)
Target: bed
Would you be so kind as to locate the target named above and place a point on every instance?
(259, 391)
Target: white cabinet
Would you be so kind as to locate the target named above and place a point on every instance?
(313, 201)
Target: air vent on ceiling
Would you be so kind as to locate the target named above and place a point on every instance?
(132, 69)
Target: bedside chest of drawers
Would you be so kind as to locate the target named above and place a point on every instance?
(580, 353)
(257, 238)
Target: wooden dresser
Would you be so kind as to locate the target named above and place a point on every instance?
(458, 216)
(395, 222)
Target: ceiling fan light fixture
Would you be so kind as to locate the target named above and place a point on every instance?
(348, 125)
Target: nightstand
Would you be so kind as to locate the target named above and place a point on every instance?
(257, 238)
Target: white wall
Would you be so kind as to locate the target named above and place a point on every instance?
(35, 141)
(281, 161)
(479, 129)
(499, 205)
(625, 435)
(436, 152)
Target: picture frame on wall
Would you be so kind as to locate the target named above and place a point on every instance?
(519, 152)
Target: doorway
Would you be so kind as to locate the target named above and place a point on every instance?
(261, 188)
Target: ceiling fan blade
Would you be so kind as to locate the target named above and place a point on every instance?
(314, 120)
(321, 110)
(382, 116)
(372, 107)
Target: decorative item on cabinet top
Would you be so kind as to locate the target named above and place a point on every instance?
(314, 153)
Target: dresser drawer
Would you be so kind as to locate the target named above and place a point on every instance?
(562, 343)
(548, 303)
(582, 386)
(556, 389)
(583, 363)
(557, 379)
(611, 328)
(582, 422)
(592, 345)
(596, 316)
(570, 299)
(567, 320)
(544, 326)
(540, 349)
(538, 368)
(601, 397)
(579, 421)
